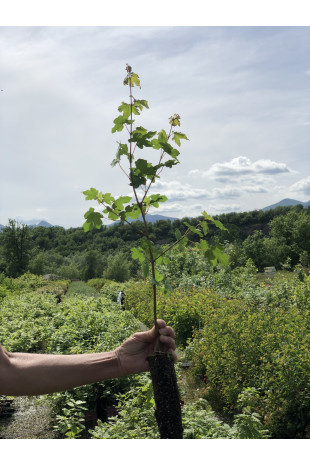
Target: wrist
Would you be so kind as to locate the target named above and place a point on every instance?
(111, 365)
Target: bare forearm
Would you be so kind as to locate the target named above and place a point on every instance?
(35, 374)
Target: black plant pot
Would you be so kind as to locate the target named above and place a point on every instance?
(166, 393)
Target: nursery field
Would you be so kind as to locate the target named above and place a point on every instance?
(243, 342)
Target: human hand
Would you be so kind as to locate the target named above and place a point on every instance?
(132, 354)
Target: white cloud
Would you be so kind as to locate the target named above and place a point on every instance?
(235, 88)
(302, 186)
(223, 208)
(242, 166)
(231, 192)
(177, 191)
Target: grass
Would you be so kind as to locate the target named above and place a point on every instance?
(78, 288)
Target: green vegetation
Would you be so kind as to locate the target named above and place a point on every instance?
(277, 238)
(243, 335)
(242, 331)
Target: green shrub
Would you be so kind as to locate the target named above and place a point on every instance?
(57, 287)
(139, 300)
(241, 347)
(118, 268)
(96, 283)
(182, 309)
(25, 321)
(136, 419)
(3, 292)
(33, 322)
(80, 288)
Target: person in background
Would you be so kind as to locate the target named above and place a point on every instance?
(121, 299)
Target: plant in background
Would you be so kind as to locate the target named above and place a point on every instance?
(248, 424)
(17, 246)
(71, 421)
(142, 175)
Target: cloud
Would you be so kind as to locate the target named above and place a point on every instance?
(177, 191)
(233, 192)
(235, 88)
(194, 210)
(302, 186)
(242, 166)
(223, 208)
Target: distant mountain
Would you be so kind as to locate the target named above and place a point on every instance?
(43, 223)
(32, 223)
(287, 203)
(35, 222)
(149, 219)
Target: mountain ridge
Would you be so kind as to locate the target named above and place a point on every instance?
(286, 203)
(153, 218)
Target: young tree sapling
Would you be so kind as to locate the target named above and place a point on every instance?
(142, 176)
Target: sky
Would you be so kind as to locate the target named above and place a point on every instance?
(242, 93)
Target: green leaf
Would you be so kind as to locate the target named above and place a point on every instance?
(113, 216)
(155, 144)
(216, 223)
(221, 256)
(106, 198)
(171, 163)
(145, 169)
(203, 245)
(168, 288)
(137, 254)
(166, 260)
(91, 194)
(169, 149)
(114, 162)
(136, 179)
(158, 276)
(205, 227)
(145, 269)
(193, 229)
(162, 136)
(177, 136)
(134, 80)
(216, 254)
(141, 136)
(209, 255)
(158, 198)
(207, 216)
(118, 205)
(178, 234)
(219, 225)
(182, 244)
(132, 212)
(124, 199)
(125, 109)
(93, 220)
(141, 103)
(119, 123)
(122, 150)
(142, 165)
(87, 226)
(174, 153)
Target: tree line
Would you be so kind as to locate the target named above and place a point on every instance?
(279, 237)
